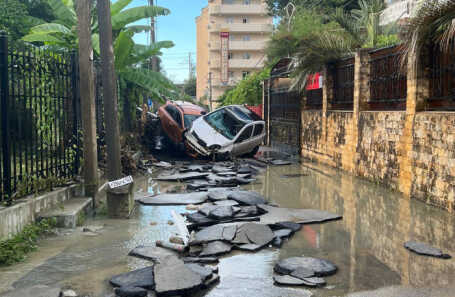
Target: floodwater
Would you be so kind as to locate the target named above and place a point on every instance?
(366, 245)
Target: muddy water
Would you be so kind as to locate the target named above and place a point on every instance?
(367, 245)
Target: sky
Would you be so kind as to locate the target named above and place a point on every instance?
(179, 27)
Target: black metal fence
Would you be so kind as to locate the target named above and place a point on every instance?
(442, 79)
(343, 84)
(39, 118)
(313, 99)
(388, 84)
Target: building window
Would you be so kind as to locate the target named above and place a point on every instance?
(230, 55)
(227, 2)
(246, 56)
(229, 20)
(246, 2)
(231, 74)
(246, 38)
(245, 74)
(231, 37)
(245, 20)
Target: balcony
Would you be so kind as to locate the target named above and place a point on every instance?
(218, 84)
(239, 63)
(236, 9)
(242, 28)
(240, 45)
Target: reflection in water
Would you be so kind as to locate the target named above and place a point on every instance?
(367, 245)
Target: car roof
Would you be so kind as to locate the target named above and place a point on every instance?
(188, 107)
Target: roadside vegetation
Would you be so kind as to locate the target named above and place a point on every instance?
(15, 250)
(320, 32)
(248, 91)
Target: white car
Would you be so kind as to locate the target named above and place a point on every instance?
(229, 131)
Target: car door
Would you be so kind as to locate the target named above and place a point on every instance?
(172, 124)
(242, 143)
(257, 134)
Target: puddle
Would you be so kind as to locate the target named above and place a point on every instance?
(367, 245)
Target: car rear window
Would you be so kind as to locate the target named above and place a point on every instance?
(258, 129)
(244, 113)
(189, 119)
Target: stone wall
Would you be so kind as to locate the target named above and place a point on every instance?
(379, 135)
(411, 151)
(433, 159)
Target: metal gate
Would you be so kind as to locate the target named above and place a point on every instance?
(282, 109)
(284, 115)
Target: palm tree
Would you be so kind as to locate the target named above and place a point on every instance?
(62, 34)
(346, 32)
(433, 23)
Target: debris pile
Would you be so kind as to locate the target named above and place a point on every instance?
(221, 217)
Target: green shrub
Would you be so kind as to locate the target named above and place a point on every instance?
(15, 249)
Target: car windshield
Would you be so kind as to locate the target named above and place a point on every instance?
(189, 119)
(225, 123)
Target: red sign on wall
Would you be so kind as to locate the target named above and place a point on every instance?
(224, 36)
(314, 82)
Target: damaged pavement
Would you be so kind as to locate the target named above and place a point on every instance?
(220, 218)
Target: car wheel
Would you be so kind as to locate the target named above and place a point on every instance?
(252, 153)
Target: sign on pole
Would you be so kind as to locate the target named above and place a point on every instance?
(224, 36)
(121, 182)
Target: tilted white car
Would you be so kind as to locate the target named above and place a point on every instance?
(233, 130)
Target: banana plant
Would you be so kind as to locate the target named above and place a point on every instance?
(62, 32)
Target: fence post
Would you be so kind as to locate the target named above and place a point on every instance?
(75, 92)
(4, 101)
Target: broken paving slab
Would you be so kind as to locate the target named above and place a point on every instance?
(202, 260)
(278, 162)
(151, 253)
(204, 272)
(320, 267)
(221, 212)
(173, 277)
(142, 278)
(130, 292)
(175, 199)
(215, 248)
(287, 225)
(229, 232)
(257, 233)
(226, 203)
(288, 280)
(250, 247)
(208, 234)
(181, 176)
(422, 248)
(247, 197)
(275, 215)
(281, 233)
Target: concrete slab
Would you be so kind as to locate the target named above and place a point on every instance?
(70, 213)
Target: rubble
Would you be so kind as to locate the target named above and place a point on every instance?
(222, 217)
(173, 277)
(142, 278)
(425, 249)
(174, 199)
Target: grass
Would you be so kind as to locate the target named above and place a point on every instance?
(15, 250)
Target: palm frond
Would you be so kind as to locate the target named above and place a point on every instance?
(432, 23)
(134, 14)
(119, 5)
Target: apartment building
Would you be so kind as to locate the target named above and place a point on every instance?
(231, 37)
(398, 9)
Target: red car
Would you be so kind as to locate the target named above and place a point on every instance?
(176, 117)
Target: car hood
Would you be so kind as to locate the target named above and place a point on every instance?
(209, 135)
